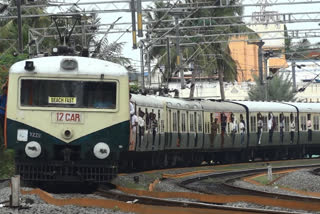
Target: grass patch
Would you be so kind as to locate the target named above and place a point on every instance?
(7, 168)
(263, 179)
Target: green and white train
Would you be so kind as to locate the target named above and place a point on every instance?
(67, 118)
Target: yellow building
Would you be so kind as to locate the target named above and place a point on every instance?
(246, 57)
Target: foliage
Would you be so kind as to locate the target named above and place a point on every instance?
(9, 28)
(279, 89)
(211, 54)
(6, 163)
(134, 88)
(6, 60)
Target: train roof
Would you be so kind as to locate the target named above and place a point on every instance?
(257, 106)
(148, 101)
(86, 66)
(158, 101)
(307, 107)
(218, 106)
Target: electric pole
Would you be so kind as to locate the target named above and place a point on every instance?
(178, 51)
(294, 87)
(19, 20)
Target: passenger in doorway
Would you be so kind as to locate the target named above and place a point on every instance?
(133, 133)
(292, 128)
(234, 128)
(131, 106)
(260, 126)
(309, 126)
(281, 127)
(214, 130)
(223, 128)
(242, 127)
(154, 127)
(141, 125)
(271, 126)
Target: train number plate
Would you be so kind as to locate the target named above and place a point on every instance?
(67, 117)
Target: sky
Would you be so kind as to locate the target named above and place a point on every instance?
(134, 54)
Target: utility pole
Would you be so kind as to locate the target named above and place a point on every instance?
(168, 70)
(294, 86)
(19, 20)
(178, 51)
(139, 12)
(149, 65)
(266, 58)
(259, 44)
(192, 86)
(142, 65)
(133, 18)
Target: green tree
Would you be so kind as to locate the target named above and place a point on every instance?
(9, 28)
(6, 60)
(279, 89)
(212, 57)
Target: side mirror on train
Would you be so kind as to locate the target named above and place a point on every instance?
(29, 66)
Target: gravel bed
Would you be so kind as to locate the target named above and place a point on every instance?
(32, 204)
(300, 180)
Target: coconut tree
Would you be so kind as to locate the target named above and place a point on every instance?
(279, 88)
(215, 50)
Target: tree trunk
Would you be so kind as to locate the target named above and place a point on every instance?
(220, 73)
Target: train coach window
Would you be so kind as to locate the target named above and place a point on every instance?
(175, 125)
(316, 123)
(303, 121)
(286, 124)
(191, 123)
(183, 121)
(276, 118)
(162, 126)
(199, 123)
(253, 124)
(265, 123)
(68, 94)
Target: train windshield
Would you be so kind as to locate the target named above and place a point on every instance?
(68, 94)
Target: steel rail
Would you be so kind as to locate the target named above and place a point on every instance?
(175, 203)
(249, 172)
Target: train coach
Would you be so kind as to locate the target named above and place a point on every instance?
(192, 131)
(67, 118)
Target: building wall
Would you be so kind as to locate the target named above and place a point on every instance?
(246, 57)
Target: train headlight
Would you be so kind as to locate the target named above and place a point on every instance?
(101, 150)
(33, 149)
(69, 64)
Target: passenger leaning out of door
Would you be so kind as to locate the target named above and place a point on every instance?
(309, 126)
(214, 130)
(292, 128)
(260, 125)
(271, 126)
(242, 127)
(223, 127)
(281, 127)
(234, 128)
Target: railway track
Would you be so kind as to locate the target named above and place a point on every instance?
(226, 180)
(177, 203)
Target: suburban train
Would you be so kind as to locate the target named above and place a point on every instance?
(190, 132)
(68, 118)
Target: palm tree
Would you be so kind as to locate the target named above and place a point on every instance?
(215, 57)
(279, 88)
